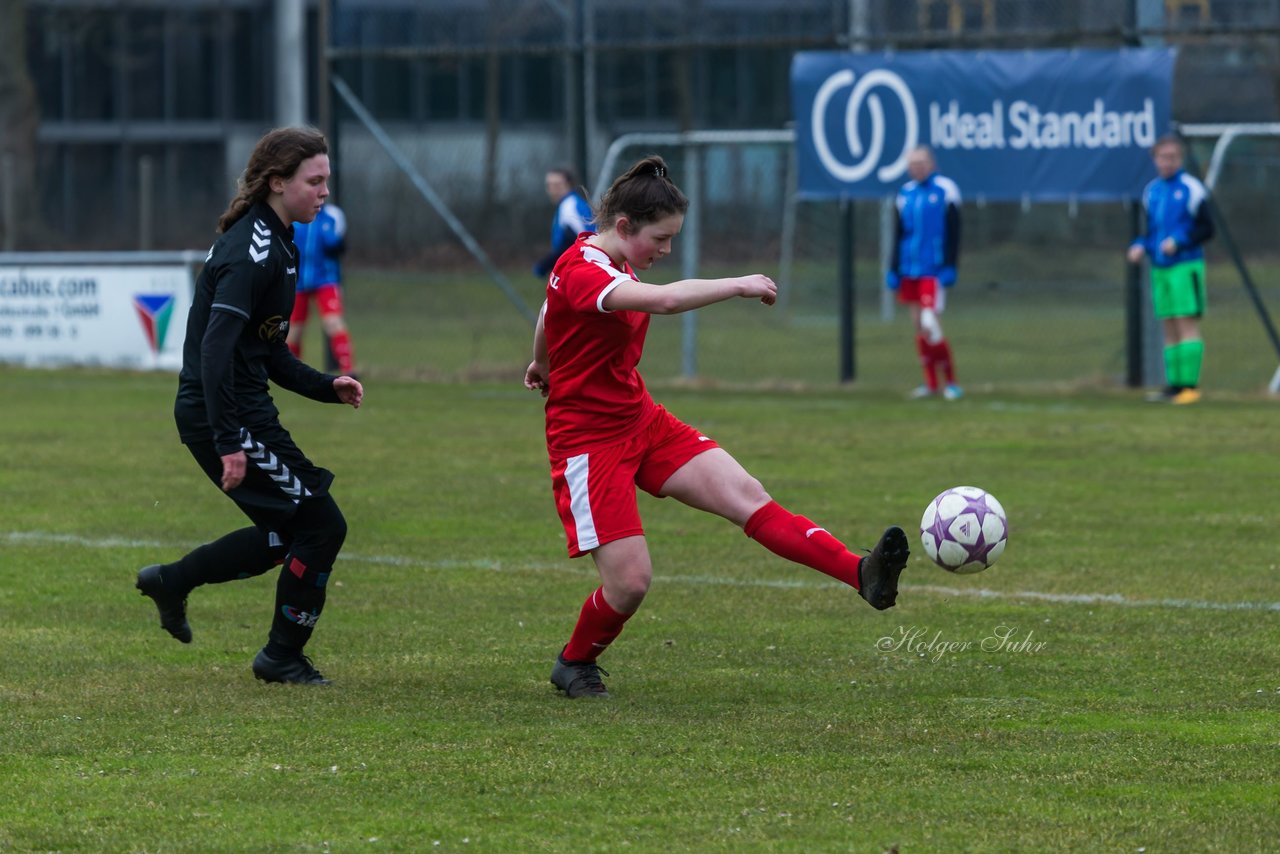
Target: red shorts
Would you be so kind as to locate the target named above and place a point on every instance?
(923, 290)
(328, 300)
(595, 492)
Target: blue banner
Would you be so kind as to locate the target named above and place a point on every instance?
(1044, 124)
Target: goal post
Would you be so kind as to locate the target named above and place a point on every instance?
(1225, 136)
(692, 145)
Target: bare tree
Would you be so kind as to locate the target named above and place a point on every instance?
(19, 118)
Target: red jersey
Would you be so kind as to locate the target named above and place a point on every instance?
(596, 395)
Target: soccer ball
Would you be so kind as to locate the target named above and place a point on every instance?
(964, 530)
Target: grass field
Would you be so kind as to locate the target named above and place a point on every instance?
(1113, 684)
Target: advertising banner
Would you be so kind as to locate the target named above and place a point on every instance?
(121, 316)
(1039, 124)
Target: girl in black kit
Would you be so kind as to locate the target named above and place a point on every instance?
(235, 343)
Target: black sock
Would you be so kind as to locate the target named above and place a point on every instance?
(299, 601)
(240, 554)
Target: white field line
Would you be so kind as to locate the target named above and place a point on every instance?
(585, 569)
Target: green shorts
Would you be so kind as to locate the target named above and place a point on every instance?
(1178, 291)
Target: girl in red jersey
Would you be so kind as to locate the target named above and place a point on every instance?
(606, 435)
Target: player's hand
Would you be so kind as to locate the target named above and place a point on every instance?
(760, 287)
(535, 378)
(1169, 246)
(233, 466)
(349, 391)
(1136, 252)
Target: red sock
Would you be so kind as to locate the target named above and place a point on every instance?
(598, 624)
(340, 344)
(798, 539)
(296, 349)
(942, 357)
(927, 362)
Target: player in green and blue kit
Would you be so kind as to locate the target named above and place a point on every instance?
(1178, 224)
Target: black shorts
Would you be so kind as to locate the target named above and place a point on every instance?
(277, 478)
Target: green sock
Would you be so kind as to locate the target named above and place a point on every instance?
(1172, 365)
(1190, 359)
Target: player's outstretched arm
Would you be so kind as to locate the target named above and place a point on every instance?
(688, 294)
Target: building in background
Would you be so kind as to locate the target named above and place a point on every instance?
(147, 108)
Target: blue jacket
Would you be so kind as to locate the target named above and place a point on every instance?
(1175, 208)
(927, 236)
(573, 216)
(320, 243)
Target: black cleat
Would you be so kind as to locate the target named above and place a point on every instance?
(297, 670)
(878, 573)
(578, 678)
(172, 606)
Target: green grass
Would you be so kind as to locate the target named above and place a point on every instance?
(755, 705)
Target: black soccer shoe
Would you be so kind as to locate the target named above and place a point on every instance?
(878, 573)
(297, 670)
(172, 606)
(578, 678)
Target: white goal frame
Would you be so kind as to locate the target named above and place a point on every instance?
(1226, 134)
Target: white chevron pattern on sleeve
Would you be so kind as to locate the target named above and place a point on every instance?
(272, 466)
(261, 242)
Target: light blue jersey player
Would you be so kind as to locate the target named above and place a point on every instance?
(320, 246)
(573, 217)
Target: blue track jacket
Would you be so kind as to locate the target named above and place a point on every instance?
(927, 237)
(573, 216)
(1175, 208)
(320, 243)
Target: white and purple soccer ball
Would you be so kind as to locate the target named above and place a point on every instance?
(964, 530)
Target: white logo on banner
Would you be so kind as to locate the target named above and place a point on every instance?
(870, 157)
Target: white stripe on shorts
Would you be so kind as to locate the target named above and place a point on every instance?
(575, 477)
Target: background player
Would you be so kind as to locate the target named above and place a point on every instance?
(1178, 224)
(926, 247)
(572, 217)
(321, 244)
(606, 435)
(235, 343)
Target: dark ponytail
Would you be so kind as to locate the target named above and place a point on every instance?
(643, 195)
(279, 153)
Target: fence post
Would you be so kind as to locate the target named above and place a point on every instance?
(689, 256)
(9, 211)
(848, 366)
(1133, 307)
(146, 204)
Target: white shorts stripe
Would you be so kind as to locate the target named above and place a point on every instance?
(575, 476)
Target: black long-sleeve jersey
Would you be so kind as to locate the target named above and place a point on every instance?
(236, 335)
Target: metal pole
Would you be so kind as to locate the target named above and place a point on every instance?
(578, 126)
(589, 122)
(326, 118)
(8, 176)
(689, 260)
(146, 201)
(888, 229)
(324, 98)
(859, 24)
(1133, 306)
(787, 254)
(848, 368)
(291, 85)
